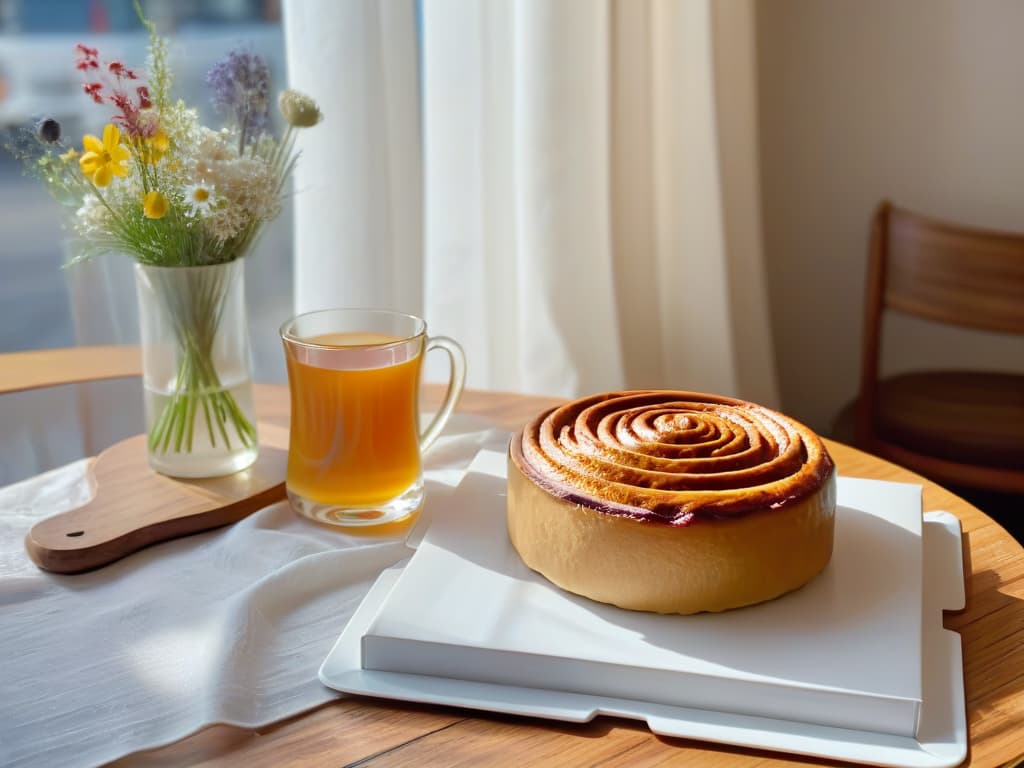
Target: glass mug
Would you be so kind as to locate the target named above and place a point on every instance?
(355, 448)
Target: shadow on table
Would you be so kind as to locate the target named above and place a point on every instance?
(988, 632)
(1007, 509)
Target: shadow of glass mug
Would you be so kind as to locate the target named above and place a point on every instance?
(355, 448)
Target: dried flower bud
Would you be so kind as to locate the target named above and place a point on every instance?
(298, 109)
(48, 130)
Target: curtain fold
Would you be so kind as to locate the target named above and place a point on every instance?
(358, 184)
(734, 44)
(585, 212)
(596, 194)
(517, 192)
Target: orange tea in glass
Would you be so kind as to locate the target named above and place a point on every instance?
(355, 449)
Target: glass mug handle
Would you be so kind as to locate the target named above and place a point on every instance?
(456, 381)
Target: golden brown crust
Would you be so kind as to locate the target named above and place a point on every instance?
(674, 502)
(633, 564)
(671, 457)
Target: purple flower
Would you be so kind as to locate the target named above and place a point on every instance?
(241, 90)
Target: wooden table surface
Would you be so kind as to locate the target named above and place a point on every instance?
(367, 732)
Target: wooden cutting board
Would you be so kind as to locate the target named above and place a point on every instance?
(133, 506)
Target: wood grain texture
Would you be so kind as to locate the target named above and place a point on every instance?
(953, 414)
(133, 506)
(312, 739)
(373, 733)
(954, 428)
(951, 273)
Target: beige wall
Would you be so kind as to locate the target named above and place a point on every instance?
(919, 101)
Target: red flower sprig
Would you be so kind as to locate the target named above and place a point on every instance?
(112, 87)
(88, 58)
(94, 90)
(120, 70)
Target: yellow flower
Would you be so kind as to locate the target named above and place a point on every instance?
(154, 205)
(103, 160)
(154, 147)
(71, 154)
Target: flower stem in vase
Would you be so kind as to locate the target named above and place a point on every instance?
(199, 409)
(186, 202)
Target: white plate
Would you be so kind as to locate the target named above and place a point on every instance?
(941, 736)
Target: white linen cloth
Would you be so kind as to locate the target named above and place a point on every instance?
(228, 626)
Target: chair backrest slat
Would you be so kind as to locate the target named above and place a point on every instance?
(951, 274)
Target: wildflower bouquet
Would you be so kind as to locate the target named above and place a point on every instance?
(177, 196)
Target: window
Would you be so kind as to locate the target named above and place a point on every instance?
(43, 305)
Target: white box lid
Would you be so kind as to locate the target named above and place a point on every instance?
(844, 651)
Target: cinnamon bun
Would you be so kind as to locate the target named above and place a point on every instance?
(673, 502)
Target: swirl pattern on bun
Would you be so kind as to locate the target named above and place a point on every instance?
(675, 502)
(672, 457)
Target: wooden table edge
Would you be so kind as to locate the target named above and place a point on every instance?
(288, 742)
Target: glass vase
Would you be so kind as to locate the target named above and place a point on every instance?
(197, 369)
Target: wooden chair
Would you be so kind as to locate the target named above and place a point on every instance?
(37, 369)
(958, 427)
(57, 424)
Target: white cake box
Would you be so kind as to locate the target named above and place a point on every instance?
(841, 655)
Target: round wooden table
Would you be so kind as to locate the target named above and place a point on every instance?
(367, 732)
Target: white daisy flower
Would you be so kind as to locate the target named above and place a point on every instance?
(199, 198)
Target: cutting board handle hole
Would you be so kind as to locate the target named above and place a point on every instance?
(74, 534)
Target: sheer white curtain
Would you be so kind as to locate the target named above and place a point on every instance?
(590, 210)
(358, 183)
